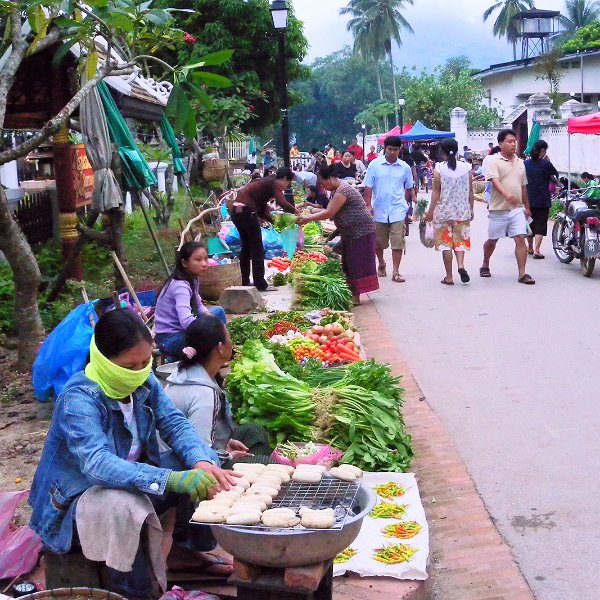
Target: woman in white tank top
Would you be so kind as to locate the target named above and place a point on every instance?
(451, 209)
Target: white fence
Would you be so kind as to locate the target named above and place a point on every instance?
(238, 150)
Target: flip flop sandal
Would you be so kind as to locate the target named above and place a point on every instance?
(464, 276)
(397, 278)
(446, 282)
(538, 256)
(527, 279)
(529, 252)
(210, 568)
(484, 272)
(381, 272)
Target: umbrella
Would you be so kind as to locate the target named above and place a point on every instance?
(136, 172)
(107, 193)
(169, 135)
(534, 136)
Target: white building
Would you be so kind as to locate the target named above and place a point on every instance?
(507, 86)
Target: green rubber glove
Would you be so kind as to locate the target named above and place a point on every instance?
(194, 482)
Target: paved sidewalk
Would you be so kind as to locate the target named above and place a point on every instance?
(470, 560)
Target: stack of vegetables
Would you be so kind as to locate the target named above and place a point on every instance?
(313, 235)
(354, 408)
(320, 282)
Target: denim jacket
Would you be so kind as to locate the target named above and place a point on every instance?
(88, 443)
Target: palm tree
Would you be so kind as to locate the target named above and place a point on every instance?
(580, 13)
(376, 25)
(504, 25)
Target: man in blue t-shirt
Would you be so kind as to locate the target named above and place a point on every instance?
(388, 191)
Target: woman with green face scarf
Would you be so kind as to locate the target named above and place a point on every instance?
(104, 433)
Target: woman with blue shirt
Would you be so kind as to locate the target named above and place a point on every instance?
(103, 435)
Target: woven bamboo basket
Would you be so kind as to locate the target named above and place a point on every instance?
(214, 169)
(218, 278)
(78, 593)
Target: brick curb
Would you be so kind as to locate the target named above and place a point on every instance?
(469, 558)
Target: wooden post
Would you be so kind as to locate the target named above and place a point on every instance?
(138, 304)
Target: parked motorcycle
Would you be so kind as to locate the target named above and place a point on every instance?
(576, 232)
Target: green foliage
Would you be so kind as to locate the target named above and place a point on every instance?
(557, 207)
(247, 28)
(586, 38)
(548, 68)
(580, 13)
(374, 115)
(243, 329)
(341, 85)
(504, 26)
(431, 96)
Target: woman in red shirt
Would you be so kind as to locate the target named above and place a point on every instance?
(250, 205)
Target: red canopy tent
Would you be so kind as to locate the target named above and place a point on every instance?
(587, 124)
(395, 131)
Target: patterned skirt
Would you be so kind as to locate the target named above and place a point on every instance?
(359, 264)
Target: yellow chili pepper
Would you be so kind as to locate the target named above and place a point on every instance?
(394, 554)
(403, 531)
(388, 510)
(345, 555)
(389, 490)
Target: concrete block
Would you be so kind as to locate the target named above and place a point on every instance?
(239, 300)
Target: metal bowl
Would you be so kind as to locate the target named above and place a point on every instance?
(293, 547)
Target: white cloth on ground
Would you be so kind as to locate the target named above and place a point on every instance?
(109, 525)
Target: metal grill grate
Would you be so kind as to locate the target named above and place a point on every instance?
(329, 493)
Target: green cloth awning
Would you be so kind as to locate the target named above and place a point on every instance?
(137, 173)
(534, 136)
(169, 135)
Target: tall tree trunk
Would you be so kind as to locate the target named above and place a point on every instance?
(27, 277)
(379, 85)
(394, 88)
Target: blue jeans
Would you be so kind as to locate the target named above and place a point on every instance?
(172, 344)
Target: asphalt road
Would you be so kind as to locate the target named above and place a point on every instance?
(512, 371)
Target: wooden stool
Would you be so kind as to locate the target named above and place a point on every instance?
(72, 569)
(311, 582)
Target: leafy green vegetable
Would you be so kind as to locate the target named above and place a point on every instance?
(242, 329)
(268, 396)
(318, 291)
(331, 268)
(312, 229)
(293, 316)
(283, 221)
(279, 279)
(354, 408)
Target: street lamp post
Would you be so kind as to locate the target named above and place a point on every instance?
(401, 103)
(279, 14)
(364, 131)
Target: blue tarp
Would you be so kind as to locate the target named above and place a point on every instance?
(420, 132)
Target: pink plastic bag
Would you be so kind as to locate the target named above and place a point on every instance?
(178, 593)
(19, 546)
(325, 455)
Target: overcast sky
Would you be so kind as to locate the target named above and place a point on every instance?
(443, 28)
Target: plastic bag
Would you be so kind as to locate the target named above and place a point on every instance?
(57, 361)
(272, 243)
(19, 546)
(178, 593)
(325, 455)
(289, 238)
(427, 234)
(232, 239)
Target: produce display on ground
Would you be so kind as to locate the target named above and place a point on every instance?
(283, 377)
(394, 538)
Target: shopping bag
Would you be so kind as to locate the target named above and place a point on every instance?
(57, 361)
(272, 242)
(427, 234)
